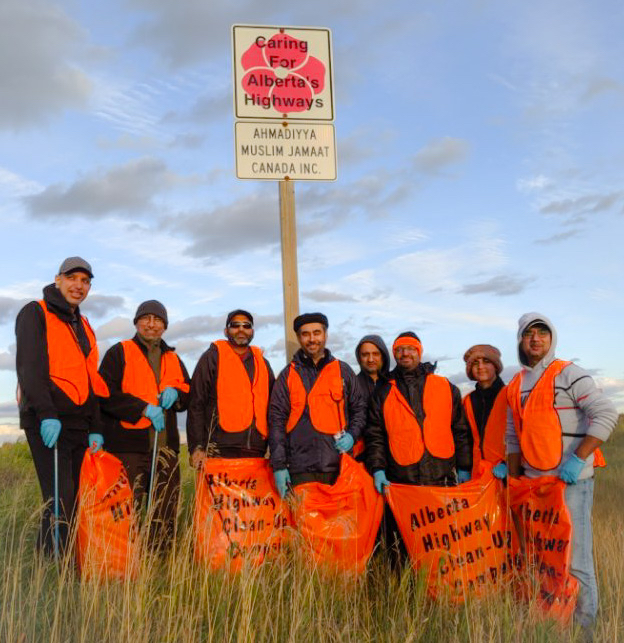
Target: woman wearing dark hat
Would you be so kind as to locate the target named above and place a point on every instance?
(486, 407)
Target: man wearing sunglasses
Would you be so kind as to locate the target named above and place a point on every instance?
(230, 390)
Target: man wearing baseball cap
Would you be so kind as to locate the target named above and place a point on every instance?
(316, 412)
(486, 407)
(556, 422)
(149, 386)
(230, 390)
(58, 390)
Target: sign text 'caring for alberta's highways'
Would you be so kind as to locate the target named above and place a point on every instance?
(282, 72)
(279, 151)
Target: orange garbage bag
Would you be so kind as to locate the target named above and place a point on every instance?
(460, 535)
(546, 542)
(239, 517)
(339, 522)
(106, 540)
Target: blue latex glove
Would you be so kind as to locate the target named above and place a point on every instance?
(463, 476)
(156, 416)
(500, 471)
(96, 441)
(168, 397)
(344, 443)
(282, 480)
(379, 477)
(571, 469)
(49, 431)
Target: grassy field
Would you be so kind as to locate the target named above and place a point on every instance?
(174, 601)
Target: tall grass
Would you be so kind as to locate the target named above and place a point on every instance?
(174, 600)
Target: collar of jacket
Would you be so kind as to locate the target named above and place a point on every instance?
(301, 358)
(421, 371)
(56, 304)
(492, 391)
(164, 347)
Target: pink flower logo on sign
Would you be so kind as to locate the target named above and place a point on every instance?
(281, 74)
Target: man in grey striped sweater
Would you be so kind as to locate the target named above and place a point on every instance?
(556, 420)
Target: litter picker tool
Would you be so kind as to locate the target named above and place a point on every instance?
(56, 505)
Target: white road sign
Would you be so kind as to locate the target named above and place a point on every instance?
(279, 151)
(282, 72)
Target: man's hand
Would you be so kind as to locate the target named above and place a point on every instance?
(168, 397)
(197, 458)
(571, 469)
(344, 443)
(96, 441)
(155, 415)
(282, 481)
(500, 471)
(50, 430)
(380, 480)
(463, 476)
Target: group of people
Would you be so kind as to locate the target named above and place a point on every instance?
(408, 425)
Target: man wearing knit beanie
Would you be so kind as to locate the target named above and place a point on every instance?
(486, 407)
(149, 385)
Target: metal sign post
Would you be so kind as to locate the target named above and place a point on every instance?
(283, 92)
(288, 229)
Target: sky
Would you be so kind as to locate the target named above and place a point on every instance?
(480, 165)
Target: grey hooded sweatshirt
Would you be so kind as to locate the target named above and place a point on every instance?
(367, 385)
(582, 408)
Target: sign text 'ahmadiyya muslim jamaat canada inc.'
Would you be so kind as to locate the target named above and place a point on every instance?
(275, 151)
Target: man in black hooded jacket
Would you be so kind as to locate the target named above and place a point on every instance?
(374, 360)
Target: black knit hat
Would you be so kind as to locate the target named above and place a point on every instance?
(151, 307)
(238, 311)
(310, 318)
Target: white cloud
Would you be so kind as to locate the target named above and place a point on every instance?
(39, 75)
(441, 153)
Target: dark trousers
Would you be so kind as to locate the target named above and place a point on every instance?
(166, 492)
(71, 446)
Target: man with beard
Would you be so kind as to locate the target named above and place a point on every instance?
(316, 411)
(230, 388)
(56, 366)
(416, 431)
(374, 360)
(556, 421)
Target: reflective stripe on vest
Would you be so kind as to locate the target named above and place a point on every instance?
(537, 422)
(139, 379)
(240, 401)
(493, 447)
(406, 437)
(69, 369)
(325, 400)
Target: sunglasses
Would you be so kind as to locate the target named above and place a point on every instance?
(245, 325)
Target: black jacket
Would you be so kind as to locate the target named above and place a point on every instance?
(202, 423)
(367, 384)
(123, 406)
(482, 400)
(40, 398)
(304, 449)
(430, 470)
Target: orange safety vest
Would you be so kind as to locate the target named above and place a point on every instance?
(537, 423)
(139, 379)
(406, 437)
(240, 401)
(325, 400)
(69, 369)
(493, 447)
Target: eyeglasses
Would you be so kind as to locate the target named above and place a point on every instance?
(531, 332)
(245, 325)
(153, 319)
